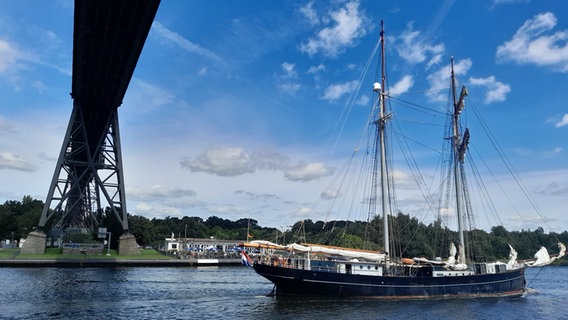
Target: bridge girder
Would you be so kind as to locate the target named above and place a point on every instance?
(108, 39)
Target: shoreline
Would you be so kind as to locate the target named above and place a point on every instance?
(114, 262)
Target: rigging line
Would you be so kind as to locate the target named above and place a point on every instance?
(467, 199)
(419, 179)
(510, 168)
(535, 276)
(342, 120)
(391, 190)
(418, 107)
(343, 171)
(414, 168)
(405, 137)
(422, 123)
(488, 168)
(336, 184)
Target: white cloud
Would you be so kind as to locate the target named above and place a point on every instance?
(302, 212)
(497, 91)
(289, 87)
(363, 100)
(158, 192)
(235, 161)
(224, 162)
(316, 69)
(402, 86)
(563, 122)
(347, 26)
(554, 188)
(285, 82)
(498, 2)
(256, 196)
(12, 161)
(158, 212)
(269, 160)
(228, 162)
(175, 38)
(336, 91)
(308, 171)
(146, 97)
(412, 48)
(440, 79)
(7, 56)
(507, 2)
(310, 13)
(554, 152)
(5, 126)
(330, 194)
(288, 69)
(446, 212)
(535, 43)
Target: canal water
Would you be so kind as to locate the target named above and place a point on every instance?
(238, 293)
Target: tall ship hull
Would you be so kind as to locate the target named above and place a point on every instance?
(424, 284)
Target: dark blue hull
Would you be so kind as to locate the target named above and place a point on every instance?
(298, 281)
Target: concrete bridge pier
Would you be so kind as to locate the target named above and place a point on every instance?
(34, 244)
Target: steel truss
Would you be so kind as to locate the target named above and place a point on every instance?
(88, 177)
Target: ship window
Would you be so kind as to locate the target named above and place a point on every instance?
(361, 267)
(376, 267)
(368, 267)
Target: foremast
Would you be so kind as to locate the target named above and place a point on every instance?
(459, 147)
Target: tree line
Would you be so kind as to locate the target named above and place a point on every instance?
(18, 218)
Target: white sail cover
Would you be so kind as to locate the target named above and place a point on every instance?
(335, 251)
(343, 252)
(452, 263)
(512, 256)
(542, 258)
(453, 251)
(264, 244)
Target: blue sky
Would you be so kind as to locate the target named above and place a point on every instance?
(234, 108)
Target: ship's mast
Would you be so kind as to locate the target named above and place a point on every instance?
(458, 148)
(381, 122)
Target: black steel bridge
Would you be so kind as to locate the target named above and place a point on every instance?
(108, 37)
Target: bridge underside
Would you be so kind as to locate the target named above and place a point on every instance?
(88, 180)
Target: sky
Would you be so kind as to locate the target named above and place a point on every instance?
(246, 109)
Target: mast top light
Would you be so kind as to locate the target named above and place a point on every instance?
(376, 87)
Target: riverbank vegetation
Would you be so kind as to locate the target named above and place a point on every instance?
(18, 218)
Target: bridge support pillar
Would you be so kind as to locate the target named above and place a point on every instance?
(127, 245)
(34, 244)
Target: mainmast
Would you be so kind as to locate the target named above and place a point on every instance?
(381, 121)
(459, 147)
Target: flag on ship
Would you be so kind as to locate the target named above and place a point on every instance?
(246, 260)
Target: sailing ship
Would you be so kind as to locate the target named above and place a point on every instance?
(312, 269)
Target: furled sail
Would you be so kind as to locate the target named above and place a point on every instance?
(461, 104)
(542, 258)
(463, 146)
(512, 256)
(310, 248)
(453, 251)
(264, 244)
(336, 251)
